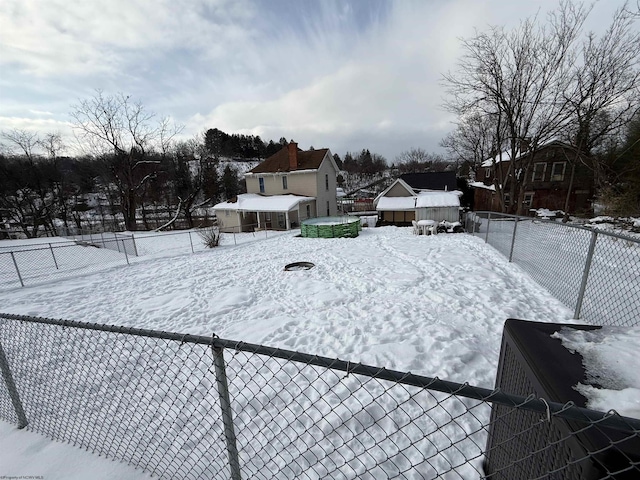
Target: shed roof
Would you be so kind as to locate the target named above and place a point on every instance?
(396, 204)
(437, 199)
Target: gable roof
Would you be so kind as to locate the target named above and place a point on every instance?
(279, 161)
(506, 156)
(431, 180)
(397, 181)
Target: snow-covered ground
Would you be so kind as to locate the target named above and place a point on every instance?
(432, 305)
(27, 455)
(439, 301)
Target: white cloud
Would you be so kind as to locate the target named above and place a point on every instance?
(77, 37)
(346, 75)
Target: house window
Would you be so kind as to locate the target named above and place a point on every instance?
(328, 209)
(308, 211)
(557, 171)
(284, 183)
(539, 170)
(487, 172)
(528, 199)
(507, 199)
(261, 182)
(326, 182)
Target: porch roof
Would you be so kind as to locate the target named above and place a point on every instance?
(253, 202)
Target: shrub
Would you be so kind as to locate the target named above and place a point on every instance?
(210, 236)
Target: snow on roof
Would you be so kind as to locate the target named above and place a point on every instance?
(252, 202)
(396, 203)
(437, 199)
(506, 156)
(482, 185)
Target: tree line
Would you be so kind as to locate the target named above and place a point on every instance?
(240, 147)
(133, 167)
(47, 193)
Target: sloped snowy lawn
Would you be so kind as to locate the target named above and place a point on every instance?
(433, 305)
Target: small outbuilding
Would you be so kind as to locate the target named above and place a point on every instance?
(400, 204)
(438, 206)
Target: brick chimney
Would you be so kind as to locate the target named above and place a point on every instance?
(293, 155)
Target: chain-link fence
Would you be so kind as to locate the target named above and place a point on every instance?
(596, 273)
(91, 252)
(185, 406)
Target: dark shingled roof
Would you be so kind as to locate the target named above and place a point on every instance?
(279, 161)
(431, 180)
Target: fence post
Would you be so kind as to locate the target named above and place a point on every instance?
(54, 257)
(124, 247)
(104, 245)
(486, 237)
(191, 242)
(234, 237)
(585, 274)
(15, 264)
(227, 415)
(135, 247)
(13, 391)
(513, 240)
(117, 244)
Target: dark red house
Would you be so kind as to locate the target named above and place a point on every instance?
(555, 171)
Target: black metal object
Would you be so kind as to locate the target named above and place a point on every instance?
(533, 362)
(299, 266)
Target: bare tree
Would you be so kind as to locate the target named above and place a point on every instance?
(416, 160)
(473, 141)
(605, 93)
(517, 78)
(124, 132)
(28, 188)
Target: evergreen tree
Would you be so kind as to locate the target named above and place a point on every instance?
(230, 183)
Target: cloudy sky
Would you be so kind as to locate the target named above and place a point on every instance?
(340, 74)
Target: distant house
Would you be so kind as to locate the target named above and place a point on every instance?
(554, 174)
(400, 203)
(287, 188)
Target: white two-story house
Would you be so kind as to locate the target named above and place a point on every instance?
(287, 188)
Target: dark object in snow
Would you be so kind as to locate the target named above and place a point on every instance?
(295, 266)
(523, 443)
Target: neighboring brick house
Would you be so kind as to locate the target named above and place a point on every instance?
(288, 187)
(547, 184)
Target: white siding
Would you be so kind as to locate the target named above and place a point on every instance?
(450, 214)
(326, 194)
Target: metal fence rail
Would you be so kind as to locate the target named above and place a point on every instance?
(595, 273)
(186, 406)
(91, 252)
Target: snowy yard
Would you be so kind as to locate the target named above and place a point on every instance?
(432, 305)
